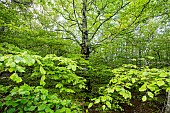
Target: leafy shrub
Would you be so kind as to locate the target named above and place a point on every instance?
(36, 99)
(51, 71)
(6, 48)
(59, 69)
(129, 78)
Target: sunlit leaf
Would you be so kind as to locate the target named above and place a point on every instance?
(108, 104)
(97, 101)
(150, 94)
(42, 70)
(144, 98)
(160, 83)
(42, 82)
(16, 78)
(90, 105)
(143, 87)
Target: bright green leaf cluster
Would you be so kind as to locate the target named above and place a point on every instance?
(36, 99)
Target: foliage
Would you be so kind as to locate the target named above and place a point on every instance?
(7, 48)
(129, 79)
(70, 47)
(22, 65)
(36, 99)
(50, 66)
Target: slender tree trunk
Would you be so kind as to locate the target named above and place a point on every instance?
(85, 47)
(140, 56)
(85, 42)
(167, 110)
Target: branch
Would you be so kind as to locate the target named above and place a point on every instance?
(129, 24)
(69, 17)
(108, 19)
(76, 16)
(91, 2)
(69, 32)
(67, 38)
(99, 13)
(64, 9)
(139, 14)
(99, 43)
(24, 3)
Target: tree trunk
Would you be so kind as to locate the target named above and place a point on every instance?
(167, 110)
(85, 42)
(85, 47)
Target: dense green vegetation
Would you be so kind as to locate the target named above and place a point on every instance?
(74, 56)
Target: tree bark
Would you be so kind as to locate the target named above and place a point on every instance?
(167, 109)
(85, 41)
(85, 46)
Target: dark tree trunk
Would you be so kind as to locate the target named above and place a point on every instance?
(85, 41)
(85, 46)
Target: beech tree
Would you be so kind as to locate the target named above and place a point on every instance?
(108, 33)
(91, 23)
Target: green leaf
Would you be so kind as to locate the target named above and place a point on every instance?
(150, 57)
(74, 67)
(18, 59)
(152, 87)
(11, 69)
(64, 102)
(42, 82)
(144, 98)
(42, 71)
(118, 88)
(13, 103)
(71, 66)
(12, 64)
(44, 91)
(23, 101)
(82, 86)
(48, 110)
(133, 80)
(150, 94)
(41, 107)
(21, 92)
(163, 75)
(43, 97)
(69, 90)
(168, 80)
(59, 85)
(143, 87)
(97, 101)
(103, 98)
(1, 64)
(108, 104)
(110, 90)
(32, 108)
(28, 59)
(167, 89)
(160, 83)
(126, 94)
(90, 105)
(11, 110)
(68, 110)
(104, 107)
(20, 69)
(16, 78)
(21, 111)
